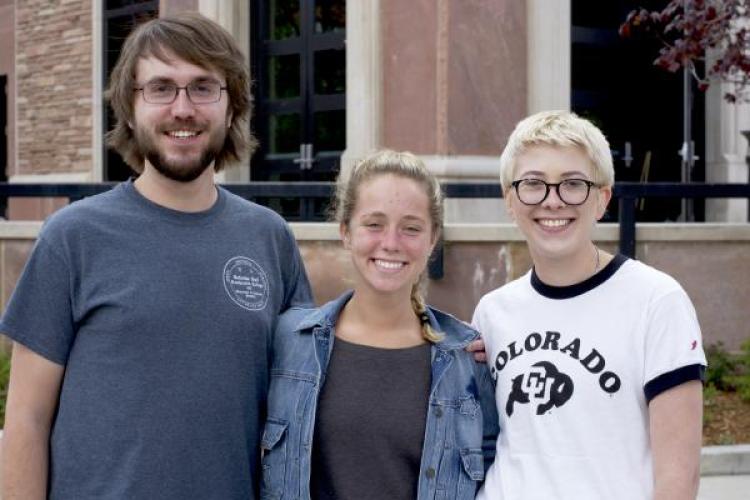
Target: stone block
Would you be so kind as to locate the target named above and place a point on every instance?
(725, 460)
(14, 255)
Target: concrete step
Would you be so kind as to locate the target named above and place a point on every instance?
(725, 460)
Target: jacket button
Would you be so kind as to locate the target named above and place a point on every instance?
(438, 412)
(430, 473)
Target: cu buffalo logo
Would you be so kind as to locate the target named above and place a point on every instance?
(544, 386)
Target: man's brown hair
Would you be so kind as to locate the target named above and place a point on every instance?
(201, 42)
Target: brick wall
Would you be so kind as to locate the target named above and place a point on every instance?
(167, 7)
(54, 85)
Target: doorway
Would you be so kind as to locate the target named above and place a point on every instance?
(638, 106)
(299, 69)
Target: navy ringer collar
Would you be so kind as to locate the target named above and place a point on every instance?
(570, 291)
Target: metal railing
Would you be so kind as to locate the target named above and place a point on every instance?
(626, 193)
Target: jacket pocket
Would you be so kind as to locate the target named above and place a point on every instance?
(465, 476)
(472, 461)
(471, 474)
(274, 456)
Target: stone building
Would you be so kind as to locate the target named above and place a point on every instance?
(445, 79)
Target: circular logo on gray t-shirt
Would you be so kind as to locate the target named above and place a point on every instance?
(246, 283)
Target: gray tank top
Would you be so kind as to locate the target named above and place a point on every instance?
(370, 423)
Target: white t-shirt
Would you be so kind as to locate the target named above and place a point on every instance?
(575, 368)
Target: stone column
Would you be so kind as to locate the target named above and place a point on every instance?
(54, 92)
(725, 152)
(167, 7)
(54, 88)
(234, 16)
(549, 25)
(454, 86)
(364, 80)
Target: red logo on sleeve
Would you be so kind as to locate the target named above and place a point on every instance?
(694, 345)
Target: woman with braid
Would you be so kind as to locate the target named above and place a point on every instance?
(373, 395)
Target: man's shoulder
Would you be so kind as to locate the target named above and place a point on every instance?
(246, 209)
(93, 210)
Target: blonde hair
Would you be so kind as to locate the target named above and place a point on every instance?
(409, 166)
(198, 41)
(558, 128)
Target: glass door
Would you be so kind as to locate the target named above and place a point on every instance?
(299, 70)
(638, 106)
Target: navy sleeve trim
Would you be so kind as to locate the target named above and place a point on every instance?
(674, 378)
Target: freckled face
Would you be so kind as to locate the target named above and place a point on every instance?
(390, 234)
(553, 229)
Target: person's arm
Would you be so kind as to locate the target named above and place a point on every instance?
(32, 399)
(298, 291)
(490, 420)
(676, 418)
(478, 350)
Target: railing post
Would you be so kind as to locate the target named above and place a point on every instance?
(746, 133)
(627, 226)
(435, 269)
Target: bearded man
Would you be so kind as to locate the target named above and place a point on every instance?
(142, 321)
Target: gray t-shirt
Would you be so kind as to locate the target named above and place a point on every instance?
(370, 423)
(163, 321)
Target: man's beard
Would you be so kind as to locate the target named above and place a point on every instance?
(176, 170)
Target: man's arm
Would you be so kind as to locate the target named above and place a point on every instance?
(32, 399)
(676, 419)
(478, 349)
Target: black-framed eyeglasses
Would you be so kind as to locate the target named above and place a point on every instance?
(198, 92)
(570, 191)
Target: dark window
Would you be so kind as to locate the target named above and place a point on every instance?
(3, 137)
(120, 17)
(299, 70)
(637, 105)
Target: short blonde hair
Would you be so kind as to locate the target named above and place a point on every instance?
(563, 129)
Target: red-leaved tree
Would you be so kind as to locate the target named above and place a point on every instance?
(691, 28)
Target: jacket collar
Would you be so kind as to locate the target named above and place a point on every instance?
(326, 315)
(456, 334)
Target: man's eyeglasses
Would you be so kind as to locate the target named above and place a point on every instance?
(570, 191)
(199, 92)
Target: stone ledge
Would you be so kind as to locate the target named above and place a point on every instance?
(725, 460)
(20, 230)
(467, 232)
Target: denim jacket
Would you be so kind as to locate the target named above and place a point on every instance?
(461, 427)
